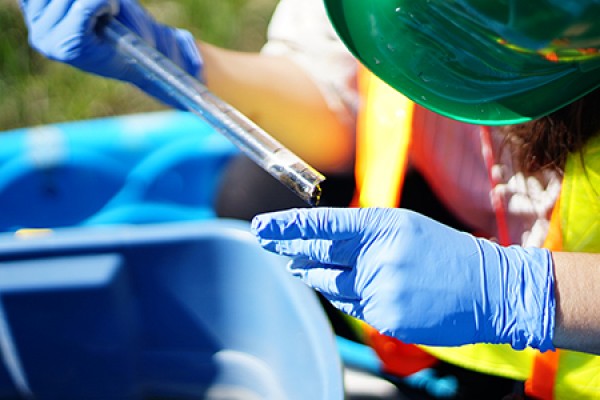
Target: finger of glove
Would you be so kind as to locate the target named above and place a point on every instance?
(33, 9)
(308, 223)
(336, 252)
(85, 13)
(64, 31)
(43, 15)
(335, 283)
(140, 21)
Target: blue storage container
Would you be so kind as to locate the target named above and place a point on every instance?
(144, 168)
(176, 311)
(139, 292)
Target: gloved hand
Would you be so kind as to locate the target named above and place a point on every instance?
(65, 31)
(415, 279)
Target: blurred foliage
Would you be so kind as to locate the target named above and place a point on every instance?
(34, 90)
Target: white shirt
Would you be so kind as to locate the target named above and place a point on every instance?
(448, 153)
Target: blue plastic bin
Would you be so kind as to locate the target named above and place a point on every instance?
(175, 311)
(144, 168)
(124, 300)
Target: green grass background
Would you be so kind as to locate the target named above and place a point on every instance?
(34, 90)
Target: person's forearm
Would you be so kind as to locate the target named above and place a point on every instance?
(578, 301)
(276, 94)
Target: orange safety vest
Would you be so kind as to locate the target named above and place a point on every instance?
(385, 124)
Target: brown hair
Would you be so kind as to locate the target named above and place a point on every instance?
(546, 142)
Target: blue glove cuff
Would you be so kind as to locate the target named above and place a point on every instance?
(525, 317)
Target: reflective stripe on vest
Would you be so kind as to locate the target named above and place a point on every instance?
(382, 149)
(542, 379)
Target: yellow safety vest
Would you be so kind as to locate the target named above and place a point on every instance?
(385, 127)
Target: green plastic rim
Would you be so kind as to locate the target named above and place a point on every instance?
(466, 65)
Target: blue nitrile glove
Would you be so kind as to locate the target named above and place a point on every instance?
(65, 31)
(415, 279)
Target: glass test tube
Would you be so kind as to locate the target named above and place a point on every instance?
(263, 149)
